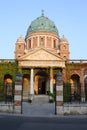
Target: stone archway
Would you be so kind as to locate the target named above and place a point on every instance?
(41, 82)
(8, 88)
(75, 85)
(8, 78)
(26, 84)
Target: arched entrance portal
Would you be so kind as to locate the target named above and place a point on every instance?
(26, 83)
(75, 85)
(41, 82)
(8, 89)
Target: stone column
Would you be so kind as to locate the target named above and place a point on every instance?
(31, 83)
(32, 42)
(59, 95)
(51, 80)
(82, 86)
(18, 94)
(36, 84)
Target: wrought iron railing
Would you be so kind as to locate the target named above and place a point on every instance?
(68, 96)
(6, 92)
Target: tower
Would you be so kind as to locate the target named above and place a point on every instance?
(64, 48)
(19, 47)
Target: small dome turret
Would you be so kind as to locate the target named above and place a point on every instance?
(63, 39)
(20, 40)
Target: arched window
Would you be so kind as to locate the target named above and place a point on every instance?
(64, 57)
(8, 89)
(42, 42)
(54, 43)
(19, 46)
(29, 44)
(64, 47)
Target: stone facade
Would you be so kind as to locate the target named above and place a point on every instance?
(43, 49)
(39, 57)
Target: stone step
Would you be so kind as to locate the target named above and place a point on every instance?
(41, 99)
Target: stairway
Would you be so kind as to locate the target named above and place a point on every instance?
(41, 99)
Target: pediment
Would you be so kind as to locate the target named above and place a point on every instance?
(40, 55)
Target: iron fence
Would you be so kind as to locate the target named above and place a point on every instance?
(6, 92)
(68, 96)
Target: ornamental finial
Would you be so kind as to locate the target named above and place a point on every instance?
(42, 12)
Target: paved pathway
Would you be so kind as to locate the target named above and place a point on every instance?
(38, 109)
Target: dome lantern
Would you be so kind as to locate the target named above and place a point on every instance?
(42, 12)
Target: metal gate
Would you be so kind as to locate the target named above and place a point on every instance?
(6, 92)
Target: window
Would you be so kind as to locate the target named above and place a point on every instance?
(42, 42)
(19, 46)
(64, 47)
(29, 45)
(64, 57)
(54, 43)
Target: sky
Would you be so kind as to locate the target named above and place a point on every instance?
(69, 16)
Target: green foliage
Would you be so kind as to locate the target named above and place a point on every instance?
(1, 92)
(52, 97)
(30, 101)
(24, 71)
(4, 94)
(8, 68)
(73, 65)
(51, 100)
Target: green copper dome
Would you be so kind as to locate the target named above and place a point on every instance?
(42, 23)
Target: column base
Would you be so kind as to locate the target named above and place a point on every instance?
(59, 110)
(83, 99)
(31, 97)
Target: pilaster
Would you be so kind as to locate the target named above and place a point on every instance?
(82, 86)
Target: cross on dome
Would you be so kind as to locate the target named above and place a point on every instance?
(42, 12)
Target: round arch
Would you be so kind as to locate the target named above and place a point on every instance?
(7, 78)
(75, 84)
(26, 84)
(8, 88)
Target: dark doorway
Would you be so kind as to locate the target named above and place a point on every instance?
(75, 87)
(42, 79)
(41, 85)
